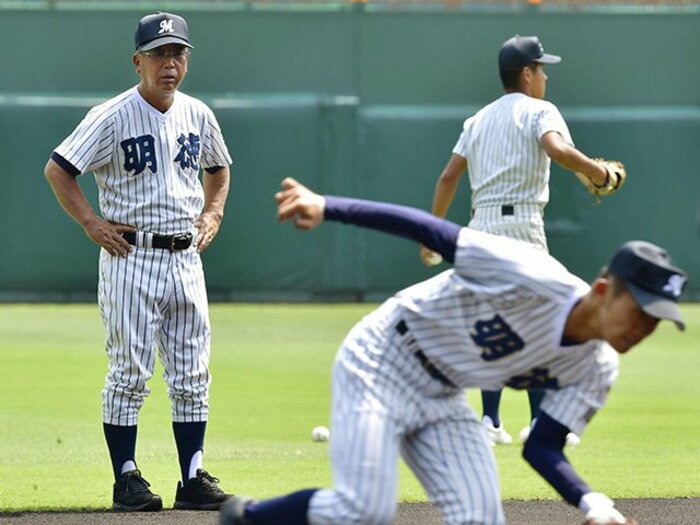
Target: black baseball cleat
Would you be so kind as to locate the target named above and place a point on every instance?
(233, 511)
(200, 493)
(131, 494)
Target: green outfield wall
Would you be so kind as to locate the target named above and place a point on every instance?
(357, 101)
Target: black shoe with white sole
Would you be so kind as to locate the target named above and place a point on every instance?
(200, 493)
(131, 494)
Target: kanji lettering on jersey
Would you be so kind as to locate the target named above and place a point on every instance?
(496, 338)
(139, 153)
(189, 151)
(535, 378)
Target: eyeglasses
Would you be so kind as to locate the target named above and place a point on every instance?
(162, 54)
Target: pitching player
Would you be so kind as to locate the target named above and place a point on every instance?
(508, 146)
(508, 314)
(146, 147)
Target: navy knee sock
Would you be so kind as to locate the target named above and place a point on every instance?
(189, 438)
(291, 509)
(121, 442)
(535, 396)
(490, 401)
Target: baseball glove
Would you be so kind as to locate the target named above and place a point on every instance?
(616, 178)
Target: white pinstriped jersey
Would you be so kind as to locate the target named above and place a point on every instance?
(497, 320)
(147, 163)
(501, 143)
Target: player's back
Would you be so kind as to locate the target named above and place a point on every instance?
(506, 162)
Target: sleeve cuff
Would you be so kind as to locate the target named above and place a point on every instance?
(61, 161)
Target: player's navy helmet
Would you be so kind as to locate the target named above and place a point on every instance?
(159, 29)
(520, 51)
(652, 280)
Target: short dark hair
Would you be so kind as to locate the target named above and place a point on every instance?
(511, 77)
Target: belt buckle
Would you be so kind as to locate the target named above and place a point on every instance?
(180, 237)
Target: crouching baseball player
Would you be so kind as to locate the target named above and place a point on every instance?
(506, 315)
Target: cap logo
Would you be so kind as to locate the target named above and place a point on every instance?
(541, 48)
(166, 26)
(675, 285)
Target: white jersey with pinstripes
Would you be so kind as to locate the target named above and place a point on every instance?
(147, 166)
(507, 165)
(147, 163)
(501, 142)
(496, 319)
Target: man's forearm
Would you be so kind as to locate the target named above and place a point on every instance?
(216, 188)
(544, 451)
(433, 232)
(69, 194)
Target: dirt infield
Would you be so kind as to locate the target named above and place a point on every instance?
(647, 512)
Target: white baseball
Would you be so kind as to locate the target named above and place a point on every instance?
(320, 434)
(434, 259)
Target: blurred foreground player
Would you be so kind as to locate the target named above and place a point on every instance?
(508, 314)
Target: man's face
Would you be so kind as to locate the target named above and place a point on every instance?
(162, 69)
(623, 322)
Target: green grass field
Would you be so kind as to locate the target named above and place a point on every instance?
(271, 367)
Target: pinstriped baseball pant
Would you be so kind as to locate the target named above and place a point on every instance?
(386, 405)
(526, 224)
(154, 299)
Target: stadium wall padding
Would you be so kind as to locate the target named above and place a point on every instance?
(360, 102)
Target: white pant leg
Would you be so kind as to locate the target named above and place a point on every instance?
(526, 224)
(454, 463)
(128, 293)
(364, 454)
(185, 338)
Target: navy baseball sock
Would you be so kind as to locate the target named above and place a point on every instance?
(535, 396)
(121, 442)
(189, 438)
(290, 509)
(490, 401)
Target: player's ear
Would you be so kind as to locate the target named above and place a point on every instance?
(525, 77)
(600, 286)
(136, 60)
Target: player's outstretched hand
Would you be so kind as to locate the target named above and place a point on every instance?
(109, 235)
(429, 257)
(300, 204)
(207, 225)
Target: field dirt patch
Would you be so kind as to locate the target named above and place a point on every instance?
(684, 511)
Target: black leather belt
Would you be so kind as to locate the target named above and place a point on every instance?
(402, 329)
(506, 209)
(174, 243)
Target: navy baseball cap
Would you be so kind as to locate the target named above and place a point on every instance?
(520, 51)
(159, 29)
(652, 280)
